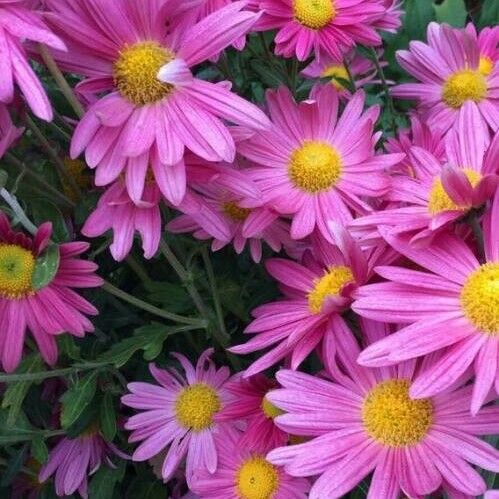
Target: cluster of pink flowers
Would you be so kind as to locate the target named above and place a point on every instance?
(389, 271)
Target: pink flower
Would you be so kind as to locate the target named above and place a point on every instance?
(8, 132)
(53, 309)
(316, 292)
(324, 27)
(244, 472)
(436, 194)
(144, 123)
(314, 166)
(449, 72)
(363, 420)
(17, 24)
(72, 460)
(488, 45)
(251, 405)
(390, 21)
(452, 309)
(179, 415)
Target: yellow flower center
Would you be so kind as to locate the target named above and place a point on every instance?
(314, 14)
(257, 479)
(234, 212)
(480, 298)
(196, 405)
(136, 70)
(336, 71)
(440, 201)
(462, 86)
(392, 418)
(315, 166)
(486, 65)
(270, 410)
(16, 271)
(330, 284)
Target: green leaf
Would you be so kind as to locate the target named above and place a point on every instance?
(46, 267)
(490, 13)
(44, 211)
(76, 399)
(103, 482)
(108, 417)
(418, 14)
(16, 392)
(452, 12)
(39, 450)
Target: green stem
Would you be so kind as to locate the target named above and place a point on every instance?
(55, 373)
(18, 211)
(139, 270)
(351, 80)
(474, 223)
(113, 290)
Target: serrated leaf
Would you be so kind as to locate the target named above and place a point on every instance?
(77, 398)
(46, 267)
(105, 479)
(108, 417)
(452, 12)
(39, 450)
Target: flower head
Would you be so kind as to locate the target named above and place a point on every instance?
(363, 420)
(46, 309)
(179, 415)
(8, 132)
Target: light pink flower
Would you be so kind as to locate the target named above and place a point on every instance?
(323, 27)
(453, 309)
(73, 460)
(179, 415)
(435, 193)
(144, 123)
(315, 166)
(244, 472)
(391, 20)
(448, 69)
(8, 132)
(18, 23)
(251, 406)
(315, 292)
(363, 420)
(48, 311)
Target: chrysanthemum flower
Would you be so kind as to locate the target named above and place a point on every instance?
(18, 23)
(391, 20)
(316, 292)
(453, 309)
(244, 473)
(145, 124)
(448, 69)
(179, 415)
(8, 132)
(488, 45)
(251, 405)
(329, 27)
(73, 460)
(314, 166)
(363, 420)
(53, 309)
(435, 194)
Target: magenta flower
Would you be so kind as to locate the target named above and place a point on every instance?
(435, 194)
(179, 415)
(244, 473)
(363, 420)
(145, 124)
(73, 460)
(251, 406)
(46, 312)
(8, 132)
(314, 166)
(487, 41)
(453, 309)
(323, 27)
(449, 72)
(316, 292)
(18, 23)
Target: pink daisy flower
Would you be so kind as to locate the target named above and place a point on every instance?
(448, 69)
(391, 20)
(18, 23)
(329, 27)
(251, 405)
(143, 123)
(73, 460)
(488, 45)
(315, 292)
(8, 132)
(179, 415)
(451, 309)
(363, 420)
(437, 194)
(244, 473)
(314, 166)
(53, 309)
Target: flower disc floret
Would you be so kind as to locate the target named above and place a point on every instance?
(314, 14)
(17, 265)
(257, 479)
(196, 406)
(463, 86)
(328, 285)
